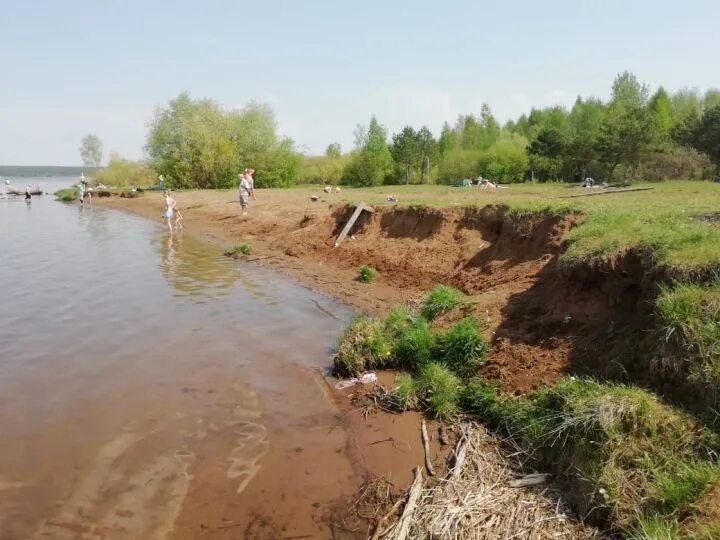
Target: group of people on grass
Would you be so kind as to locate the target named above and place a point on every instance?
(246, 188)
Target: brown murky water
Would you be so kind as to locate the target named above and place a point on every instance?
(149, 388)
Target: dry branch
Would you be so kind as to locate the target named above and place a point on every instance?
(403, 525)
(426, 448)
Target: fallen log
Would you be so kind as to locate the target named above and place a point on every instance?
(608, 192)
(460, 452)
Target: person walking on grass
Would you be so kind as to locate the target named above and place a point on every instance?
(246, 188)
(170, 205)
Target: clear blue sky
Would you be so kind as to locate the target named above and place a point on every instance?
(76, 67)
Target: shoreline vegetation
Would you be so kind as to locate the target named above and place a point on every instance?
(583, 329)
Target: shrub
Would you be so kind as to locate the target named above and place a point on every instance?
(66, 195)
(441, 299)
(362, 346)
(462, 347)
(414, 344)
(406, 392)
(441, 389)
(367, 274)
(123, 173)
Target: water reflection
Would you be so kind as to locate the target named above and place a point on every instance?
(192, 267)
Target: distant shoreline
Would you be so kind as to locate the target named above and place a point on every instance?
(45, 170)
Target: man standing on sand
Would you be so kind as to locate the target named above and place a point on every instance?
(246, 188)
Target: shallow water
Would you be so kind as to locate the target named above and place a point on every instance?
(149, 387)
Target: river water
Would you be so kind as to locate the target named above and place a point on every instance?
(151, 388)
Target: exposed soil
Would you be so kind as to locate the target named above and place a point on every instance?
(544, 321)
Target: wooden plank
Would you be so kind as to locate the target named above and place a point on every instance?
(607, 192)
(356, 214)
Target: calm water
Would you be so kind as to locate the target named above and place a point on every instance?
(150, 387)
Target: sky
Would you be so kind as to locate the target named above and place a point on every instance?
(69, 68)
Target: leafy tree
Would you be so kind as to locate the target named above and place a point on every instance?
(583, 132)
(627, 126)
(197, 144)
(711, 98)
(662, 114)
(506, 160)
(704, 134)
(91, 151)
(448, 139)
(429, 150)
(686, 103)
(546, 154)
(371, 162)
(406, 151)
(334, 151)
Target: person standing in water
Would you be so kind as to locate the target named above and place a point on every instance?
(247, 189)
(170, 205)
(28, 197)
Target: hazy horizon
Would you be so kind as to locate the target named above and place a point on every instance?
(81, 67)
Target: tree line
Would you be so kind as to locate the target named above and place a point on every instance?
(634, 134)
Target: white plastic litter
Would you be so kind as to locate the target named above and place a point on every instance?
(365, 378)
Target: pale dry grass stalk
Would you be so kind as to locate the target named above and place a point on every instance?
(477, 502)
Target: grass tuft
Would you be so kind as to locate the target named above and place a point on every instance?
(406, 392)
(367, 274)
(362, 346)
(66, 195)
(238, 249)
(414, 345)
(462, 347)
(441, 389)
(441, 299)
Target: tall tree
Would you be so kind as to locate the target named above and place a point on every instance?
(704, 135)
(91, 150)
(429, 150)
(662, 114)
(405, 150)
(448, 139)
(334, 151)
(372, 161)
(583, 132)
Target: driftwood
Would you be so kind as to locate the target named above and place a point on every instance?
(426, 448)
(442, 432)
(608, 192)
(403, 525)
(529, 480)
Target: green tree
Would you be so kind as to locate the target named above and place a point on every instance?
(686, 103)
(448, 139)
(334, 151)
(627, 126)
(711, 98)
(405, 150)
(429, 150)
(662, 114)
(703, 135)
(91, 151)
(372, 162)
(581, 150)
(546, 154)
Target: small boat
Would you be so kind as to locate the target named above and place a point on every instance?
(33, 191)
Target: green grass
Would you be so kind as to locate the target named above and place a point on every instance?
(66, 195)
(441, 389)
(414, 345)
(689, 321)
(367, 274)
(630, 462)
(441, 299)
(238, 249)
(406, 392)
(362, 346)
(397, 321)
(462, 347)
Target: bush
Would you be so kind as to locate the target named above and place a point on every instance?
(123, 173)
(441, 389)
(367, 274)
(462, 347)
(441, 299)
(66, 195)
(362, 346)
(414, 344)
